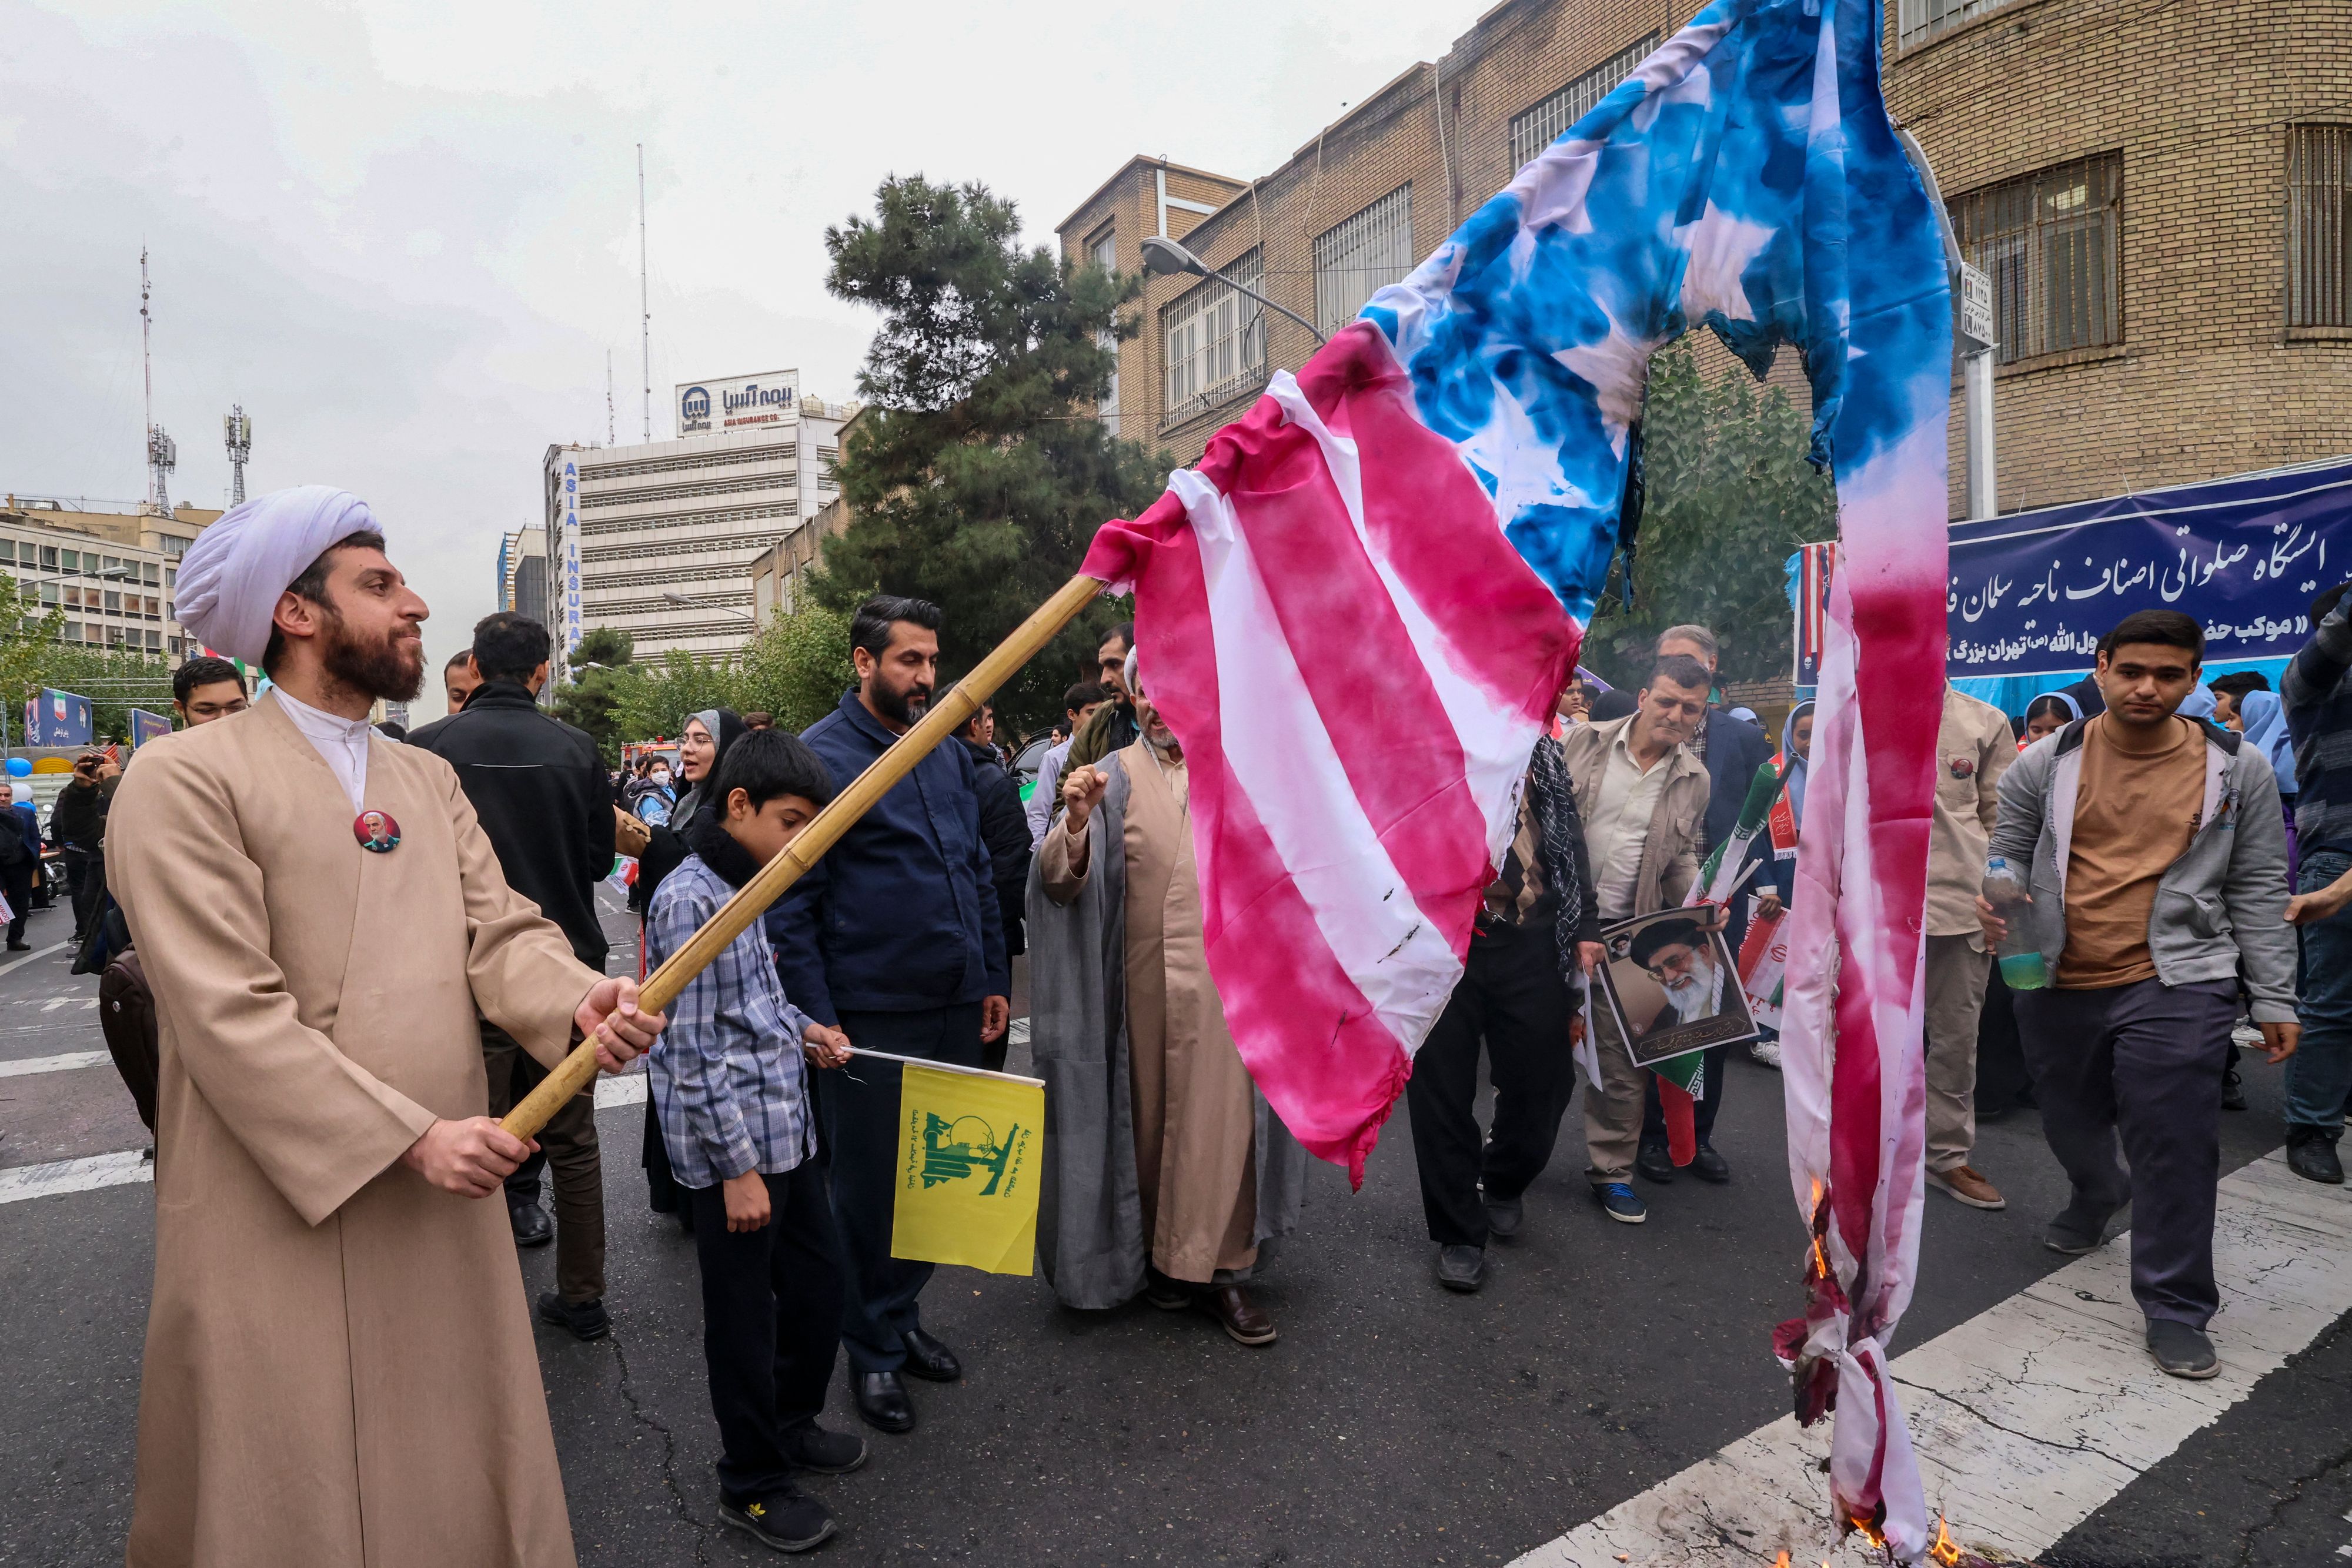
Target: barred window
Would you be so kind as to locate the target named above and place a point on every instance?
(1920, 20)
(2319, 226)
(1362, 255)
(1537, 127)
(2051, 242)
(1213, 340)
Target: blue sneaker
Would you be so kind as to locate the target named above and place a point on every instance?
(1623, 1204)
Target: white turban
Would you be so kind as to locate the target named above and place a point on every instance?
(231, 577)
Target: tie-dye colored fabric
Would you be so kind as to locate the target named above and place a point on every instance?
(1342, 538)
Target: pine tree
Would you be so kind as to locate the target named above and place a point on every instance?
(982, 473)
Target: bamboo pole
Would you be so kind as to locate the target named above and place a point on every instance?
(947, 715)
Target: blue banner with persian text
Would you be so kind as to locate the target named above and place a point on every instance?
(2031, 593)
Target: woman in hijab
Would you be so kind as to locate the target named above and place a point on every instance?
(2265, 730)
(704, 741)
(2048, 714)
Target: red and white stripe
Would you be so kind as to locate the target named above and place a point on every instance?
(1358, 663)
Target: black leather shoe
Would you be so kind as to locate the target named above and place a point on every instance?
(1708, 1165)
(882, 1401)
(1505, 1215)
(929, 1359)
(531, 1226)
(2233, 1091)
(811, 1447)
(585, 1319)
(2311, 1155)
(1462, 1268)
(1655, 1163)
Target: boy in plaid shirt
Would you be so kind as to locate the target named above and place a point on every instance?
(727, 1084)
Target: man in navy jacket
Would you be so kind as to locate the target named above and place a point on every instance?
(896, 938)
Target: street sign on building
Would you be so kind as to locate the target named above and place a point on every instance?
(1973, 326)
(738, 402)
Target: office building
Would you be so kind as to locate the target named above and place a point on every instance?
(655, 539)
(2161, 198)
(111, 571)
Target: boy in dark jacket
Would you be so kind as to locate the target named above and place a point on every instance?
(729, 1081)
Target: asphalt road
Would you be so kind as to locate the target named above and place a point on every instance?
(1392, 1423)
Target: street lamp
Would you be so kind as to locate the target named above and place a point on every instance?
(1164, 257)
(683, 602)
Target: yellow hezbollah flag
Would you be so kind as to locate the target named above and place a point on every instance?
(968, 1150)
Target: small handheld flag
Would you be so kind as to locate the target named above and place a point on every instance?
(969, 1144)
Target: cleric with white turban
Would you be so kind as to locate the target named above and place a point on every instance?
(232, 576)
(337, 1316)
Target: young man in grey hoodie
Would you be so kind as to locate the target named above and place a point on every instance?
(2156, 860)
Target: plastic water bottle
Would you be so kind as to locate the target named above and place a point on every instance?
(2021, 964)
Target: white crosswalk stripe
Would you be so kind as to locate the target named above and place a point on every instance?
(2028, 1416)
(59, 1177)
(24, 1066)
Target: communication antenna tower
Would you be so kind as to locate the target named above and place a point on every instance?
(162, 457)
(610, 439)
(238, 437)
(644, 310)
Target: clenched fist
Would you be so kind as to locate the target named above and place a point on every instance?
(1082, 791)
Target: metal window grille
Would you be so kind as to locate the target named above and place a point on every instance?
(2319, 226)
(1213, 340)
(651, 493)
(2051, 242)
(1919, 20)
(1536, 128)
(1361, 254)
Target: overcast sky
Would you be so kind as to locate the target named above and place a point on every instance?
(404, 237)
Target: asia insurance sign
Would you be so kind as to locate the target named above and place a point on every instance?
(738, 402)
(568, 565)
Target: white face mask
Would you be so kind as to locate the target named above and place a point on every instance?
(661, 775)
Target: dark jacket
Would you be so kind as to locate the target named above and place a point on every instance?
(1735, 750)
(1005, 827)
(543, 798)
(79, 821)
(901, 915)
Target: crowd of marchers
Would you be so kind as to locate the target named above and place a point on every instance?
(2186, 849)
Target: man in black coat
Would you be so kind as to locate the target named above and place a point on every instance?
(546, 802)
(1732, 749)
(1004, 828)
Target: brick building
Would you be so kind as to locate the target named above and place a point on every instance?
(2162, 195)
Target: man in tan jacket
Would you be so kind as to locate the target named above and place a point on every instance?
(339, 1370)
(1643, 796)
(1974, 747)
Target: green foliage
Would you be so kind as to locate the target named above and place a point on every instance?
(31, 658)
(796, 668)
(604, 645)
(981, 476)
(591, 699)
(1730, 498)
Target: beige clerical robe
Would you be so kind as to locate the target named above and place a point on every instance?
(339, 1370)
(1193, 1105)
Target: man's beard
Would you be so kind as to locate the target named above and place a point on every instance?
(907, 707)
(1694, 998)
(392, 668)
